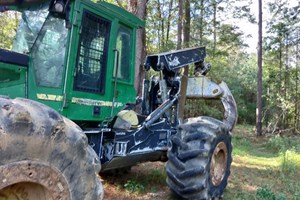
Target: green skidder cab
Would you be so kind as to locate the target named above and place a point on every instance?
(68, 107)
(71, 53)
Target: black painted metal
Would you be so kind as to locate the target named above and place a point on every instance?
(139, 145)
(14, 58)
(149, 141)
(173, 60)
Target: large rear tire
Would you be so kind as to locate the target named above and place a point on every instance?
(199, 159)
(44, 156)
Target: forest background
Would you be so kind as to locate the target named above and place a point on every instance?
(264, 168)
(227, 29)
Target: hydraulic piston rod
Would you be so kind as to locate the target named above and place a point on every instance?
(158, 112)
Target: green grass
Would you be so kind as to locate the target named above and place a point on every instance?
(264, 168)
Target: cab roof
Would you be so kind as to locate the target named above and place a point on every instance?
(122, 13)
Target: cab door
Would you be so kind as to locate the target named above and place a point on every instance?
(89, 97)
(47, 62)
(123, 74)
(101, 60)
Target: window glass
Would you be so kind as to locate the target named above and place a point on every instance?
(124, 47)
(48, 52)
(29, 27)
(92, 56)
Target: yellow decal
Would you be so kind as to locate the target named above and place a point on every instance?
(49, 97)
(92, 102)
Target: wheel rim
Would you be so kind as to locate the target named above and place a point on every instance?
(24, 191)
(218, 163)
(19, 179)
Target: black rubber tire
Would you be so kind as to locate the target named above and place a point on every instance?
(190, 157)
(31, 131)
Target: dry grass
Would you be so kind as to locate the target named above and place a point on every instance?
(145, 181)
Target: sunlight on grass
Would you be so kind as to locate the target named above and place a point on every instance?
(264, 168)
(258, 162)
(293, 157)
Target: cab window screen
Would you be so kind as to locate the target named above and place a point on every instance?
(92, 54)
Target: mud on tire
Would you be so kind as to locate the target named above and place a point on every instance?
(42, 151)
(199, 159)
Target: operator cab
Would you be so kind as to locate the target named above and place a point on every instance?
(81, 57)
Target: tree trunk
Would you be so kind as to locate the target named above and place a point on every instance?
(280, 67)
(296, 117)
(187, 23)
(214, 4)
(139, 8)
(186, 40)
(259, 73)
(201, 28)
(286, 78)
(162, 26)
(169, 21)
(179, 24)
(133, 6)
(161, 31)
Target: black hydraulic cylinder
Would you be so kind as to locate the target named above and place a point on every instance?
(158, 112)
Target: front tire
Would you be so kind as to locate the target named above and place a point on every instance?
(42, 151)
(199, 159)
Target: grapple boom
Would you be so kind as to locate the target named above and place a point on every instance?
(175, 59)
(197, 87)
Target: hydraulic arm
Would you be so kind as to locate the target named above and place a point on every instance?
(199, 86)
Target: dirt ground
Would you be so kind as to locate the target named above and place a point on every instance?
(150, 176)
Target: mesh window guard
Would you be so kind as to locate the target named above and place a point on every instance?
(92, 54)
